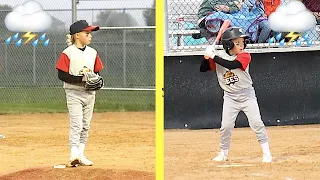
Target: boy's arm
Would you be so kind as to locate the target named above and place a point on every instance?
(98, 65)
(207, 65)
(227, 64)
(66, 77)
(241, 61)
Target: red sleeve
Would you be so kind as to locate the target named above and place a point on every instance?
(63, 63)
(98, 64)
(245, 59)
(212, 64)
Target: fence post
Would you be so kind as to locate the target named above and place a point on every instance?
(55, 51)
(6, 60)
(74, 10)
(34, 65)
(124, 57)
(166, 33)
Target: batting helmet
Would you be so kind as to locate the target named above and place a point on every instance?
(229, 34)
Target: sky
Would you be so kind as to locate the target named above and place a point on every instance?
(88, 4)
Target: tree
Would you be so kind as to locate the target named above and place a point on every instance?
(4, 10)
(115, 19)
(150, 15)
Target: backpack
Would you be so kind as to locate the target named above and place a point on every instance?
(270, 6)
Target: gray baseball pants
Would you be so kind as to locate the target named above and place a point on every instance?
(80, 104)
(235, 102)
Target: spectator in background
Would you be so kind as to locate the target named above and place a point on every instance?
(270, 6)
(209, 6)
(247, 14)
(267, 7)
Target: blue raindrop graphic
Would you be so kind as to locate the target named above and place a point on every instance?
(305, 37)
(281, 42)
(309, 43)
(15, 37)
(35, 43)
(8, 40)
(298, 43)
(19, 42)
(42, 37)
(271, 40)
(278, 37)
(46, 43)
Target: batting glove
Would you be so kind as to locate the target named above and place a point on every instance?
(210, 51)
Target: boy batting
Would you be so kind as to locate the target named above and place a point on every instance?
(232, 69)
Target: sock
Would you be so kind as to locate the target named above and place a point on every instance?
(74, 150)
(265, 148)
(225, 152)
(81, 149)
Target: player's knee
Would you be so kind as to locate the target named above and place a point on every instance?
(227, 127)
(86, 127)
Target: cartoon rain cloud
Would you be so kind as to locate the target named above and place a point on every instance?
(292, 17)
(28, 17)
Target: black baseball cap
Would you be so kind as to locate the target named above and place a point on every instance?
(82, 25)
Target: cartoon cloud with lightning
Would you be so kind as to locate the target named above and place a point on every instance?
(28, 17)
(292, 17)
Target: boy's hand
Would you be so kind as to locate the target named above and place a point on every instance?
(210, 52)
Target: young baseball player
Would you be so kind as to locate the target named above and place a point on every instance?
(232, 69)
(77, 59)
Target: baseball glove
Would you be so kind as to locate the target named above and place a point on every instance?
(93, 82)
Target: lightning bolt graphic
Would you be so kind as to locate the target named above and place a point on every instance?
(293, 36)
(29, 36)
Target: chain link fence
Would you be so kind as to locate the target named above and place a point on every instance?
(125, 43)
(193, 24)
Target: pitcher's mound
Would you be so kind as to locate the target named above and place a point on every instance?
(78, 173)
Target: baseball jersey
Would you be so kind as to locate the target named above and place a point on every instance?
(73, 60)
(235, 79)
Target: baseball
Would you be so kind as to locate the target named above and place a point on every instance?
(185, 125)
(278, 120)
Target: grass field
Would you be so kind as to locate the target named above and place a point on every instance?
(52, 100)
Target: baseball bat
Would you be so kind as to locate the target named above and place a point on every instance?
(223, 28)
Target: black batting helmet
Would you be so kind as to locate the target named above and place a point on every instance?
(229, 34)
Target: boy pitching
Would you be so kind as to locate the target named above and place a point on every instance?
(73, 63)
(232, 68)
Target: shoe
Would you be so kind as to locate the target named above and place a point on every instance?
(74, 160)
(267, 158)
(85, 162)
(220, 157)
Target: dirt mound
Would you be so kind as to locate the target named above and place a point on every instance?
(78, 173)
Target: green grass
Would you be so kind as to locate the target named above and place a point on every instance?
(52, 100)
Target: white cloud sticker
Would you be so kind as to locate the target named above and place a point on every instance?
(292, 17)
(28, 17)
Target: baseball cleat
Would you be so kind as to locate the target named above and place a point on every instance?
(83, 161)
(220, 157)
(74, 161)
(267, 158)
